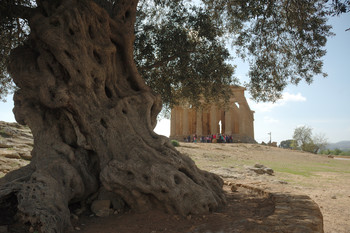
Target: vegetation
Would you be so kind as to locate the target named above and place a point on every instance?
(287, 144)
(175, 143)
(181, 47)
(340, 6)
(304, 140)
(335, 152)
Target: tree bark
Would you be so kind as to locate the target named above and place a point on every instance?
(92, 118)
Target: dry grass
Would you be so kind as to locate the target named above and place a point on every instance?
(325, 180)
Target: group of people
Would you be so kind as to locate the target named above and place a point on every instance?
(216, 138)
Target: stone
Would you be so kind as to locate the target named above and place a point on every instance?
(236, 118)
(273, 144)
(10, 154)
(261, 169)
(26, 156)
(226, 173)
(16, 144)
(3, 144)
(233, 188)
(101, 208)
(116, 201)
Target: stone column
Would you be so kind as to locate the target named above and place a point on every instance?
(199, 124)
(213, 123)
(228, 125)
(178, 117)
(185, 131)
(173, 122)
(242, 120)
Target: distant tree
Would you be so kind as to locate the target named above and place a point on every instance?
(335, 152)
(302, 135)
(309, 147)
(287, 144)
(305, 141)
(326, 152)
(320, 142)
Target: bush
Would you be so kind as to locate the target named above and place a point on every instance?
(175, 143)
(335, 152)
(347, 153)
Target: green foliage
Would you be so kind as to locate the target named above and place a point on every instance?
(340, 6)
(287, 144)
(282, 40)
(345, 153)
(309, 147)
(181, 45)
(183, 58)
(335, 152)
(14, 31)
(175, 143)
(294, 145)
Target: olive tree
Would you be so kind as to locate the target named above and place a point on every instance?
(90, 77)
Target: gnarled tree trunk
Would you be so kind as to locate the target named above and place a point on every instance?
(92, 117)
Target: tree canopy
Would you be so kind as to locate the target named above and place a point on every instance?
(181, 47)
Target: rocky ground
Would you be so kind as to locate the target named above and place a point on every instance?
(16, 143)
(268, 190)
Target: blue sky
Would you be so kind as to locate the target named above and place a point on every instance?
(324, 105)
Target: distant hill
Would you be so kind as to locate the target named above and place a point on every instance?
(343, 145)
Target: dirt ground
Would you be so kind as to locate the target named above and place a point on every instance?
(325, 180)
(236, 216)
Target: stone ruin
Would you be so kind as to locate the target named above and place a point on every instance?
(235, 118)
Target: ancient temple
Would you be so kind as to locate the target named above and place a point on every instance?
(235, 118)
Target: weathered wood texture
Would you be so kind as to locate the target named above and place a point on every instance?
(92, 118)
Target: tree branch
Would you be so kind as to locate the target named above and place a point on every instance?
(159, 63)
(9, 10)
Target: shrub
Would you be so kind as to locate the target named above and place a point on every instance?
(175, 143)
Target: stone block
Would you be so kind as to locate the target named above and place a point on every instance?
(101, 208)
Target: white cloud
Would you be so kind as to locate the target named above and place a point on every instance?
(271, 120)
(286, 97)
